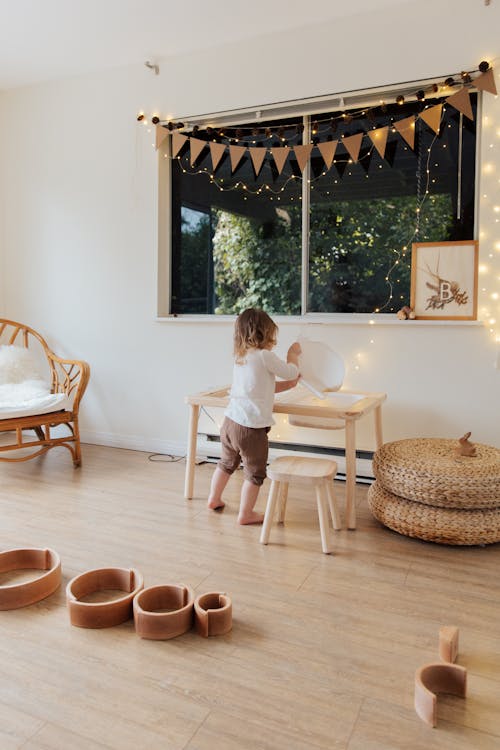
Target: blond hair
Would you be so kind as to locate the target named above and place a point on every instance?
(254, 329)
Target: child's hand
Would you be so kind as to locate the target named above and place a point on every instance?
(285, 385)
(293, 353)
(295, 349)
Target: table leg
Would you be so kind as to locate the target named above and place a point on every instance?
(378, 427)
(350, 473)
(191, 451)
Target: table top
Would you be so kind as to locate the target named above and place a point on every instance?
(348, 405)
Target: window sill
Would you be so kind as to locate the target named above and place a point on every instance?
(359, 319)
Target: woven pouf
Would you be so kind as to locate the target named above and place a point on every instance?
(456, 526)
(428, 471)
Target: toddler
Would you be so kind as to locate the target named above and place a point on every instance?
(248, 418)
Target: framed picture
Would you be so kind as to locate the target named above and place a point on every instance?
(444, 280)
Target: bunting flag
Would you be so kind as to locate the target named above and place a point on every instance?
(161, 134)
(302, 154)
(280, 155)
(196, 146)
(340, 166)
(327, 151)
(379, 139)
(236, 154)
(461, 101)
(432, 117)
(178, 141)
(486, 82)
(216, 152)
(353, 145)
(379, 136)
(257, 156)
(406, 129)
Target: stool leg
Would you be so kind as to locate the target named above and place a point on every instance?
(324, 526)
(282, 501)
(334, 510)
(270, 508)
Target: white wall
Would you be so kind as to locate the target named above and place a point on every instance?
(2, 208)
(78, 177)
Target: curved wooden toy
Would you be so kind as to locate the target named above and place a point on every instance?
(435, 678)
(162, 612)
(22, 594)
(448, 643)
(213, 613)
(102, 614)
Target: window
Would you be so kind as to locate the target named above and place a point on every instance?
(326, 240)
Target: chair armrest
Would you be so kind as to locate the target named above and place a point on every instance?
(69, 376)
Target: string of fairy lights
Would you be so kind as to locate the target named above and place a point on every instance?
(241, 133)
(287, 134)
(401, 254)
(274, 194)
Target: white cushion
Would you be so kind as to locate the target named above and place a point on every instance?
(17, 364)
(23, 392)
(42, 404)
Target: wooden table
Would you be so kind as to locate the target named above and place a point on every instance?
(299, 402)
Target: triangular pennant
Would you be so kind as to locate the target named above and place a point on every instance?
(406, 129)
(432, 117)
(379, 138)
(365, 158)
(196, 146)
(461, 101)
(280, 155)
(161, 134)
(216, 152)
(353, 144)
(327, 150)
(340, 166)
(257, 156)
(317, 166)
(178, 141)
(486, 82)
(390, 152)
(302, 154)
(236, 153)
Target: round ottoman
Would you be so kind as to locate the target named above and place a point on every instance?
(424, 490)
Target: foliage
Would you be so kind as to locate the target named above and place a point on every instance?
(353, 245)
(257, 265)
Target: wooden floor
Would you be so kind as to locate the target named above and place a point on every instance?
(323, 650)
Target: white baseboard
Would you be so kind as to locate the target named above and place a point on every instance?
(209, 450)
(134, 442)
(364, 470)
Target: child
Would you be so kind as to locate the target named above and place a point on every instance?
(248, 417)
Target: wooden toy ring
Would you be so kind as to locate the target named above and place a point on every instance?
(162, 612)
(437, 678)
(22, 594)
(448, 643)
(102, 614)
(213, 614)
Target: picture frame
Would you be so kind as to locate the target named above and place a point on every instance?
(444, 280)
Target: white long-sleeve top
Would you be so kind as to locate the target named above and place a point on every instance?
(252, 392)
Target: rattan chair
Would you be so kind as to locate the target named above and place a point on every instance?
(68, 376)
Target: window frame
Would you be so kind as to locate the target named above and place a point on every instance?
(306, 108)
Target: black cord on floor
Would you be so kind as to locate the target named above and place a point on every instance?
(167, 458)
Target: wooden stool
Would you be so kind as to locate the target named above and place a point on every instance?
(315, 472)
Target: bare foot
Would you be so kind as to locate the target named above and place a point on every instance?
(251, 518)
(216, 504)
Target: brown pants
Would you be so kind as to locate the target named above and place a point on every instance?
(248, 445)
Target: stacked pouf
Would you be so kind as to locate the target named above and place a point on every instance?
(424, 490)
